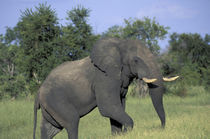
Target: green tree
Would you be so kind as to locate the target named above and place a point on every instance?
(147, 30)
(189, 57)
(10, 36)
(77, 35)
(114, 31)
(12, 83)
(189, 48)
(192, 47)
(30, 50)
(37, 31)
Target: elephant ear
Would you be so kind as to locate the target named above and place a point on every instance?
(106, 57)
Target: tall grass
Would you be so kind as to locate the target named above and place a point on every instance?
(187, 117)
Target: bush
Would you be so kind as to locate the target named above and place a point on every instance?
(12, 87)
(196, 90)
(189, 76)
(138, 89)
(206, 77)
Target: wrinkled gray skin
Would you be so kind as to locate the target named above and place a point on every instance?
(75, 88)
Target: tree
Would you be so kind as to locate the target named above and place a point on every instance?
(147, 30)
(12, 83)
(37, 33)
(189, 48)
(189, 57)
(77, 35)
(114, 31)
(192, 47)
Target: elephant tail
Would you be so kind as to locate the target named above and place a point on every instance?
(36, 107)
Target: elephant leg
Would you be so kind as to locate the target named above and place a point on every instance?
(67, 116)
(109, 102)
(48, 131)
(118, 114)
(72, 129)
(116, 127)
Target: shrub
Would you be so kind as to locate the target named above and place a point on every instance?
(138, 89)
(12, 87)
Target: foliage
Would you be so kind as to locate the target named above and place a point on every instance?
(37, 44)
(147, 30)
(206, 77)
(138, 88)
(11, 83)
(37, 32)
(13, 87)
(189, 57)
(191, 47)
(78, 34)
(114, 31)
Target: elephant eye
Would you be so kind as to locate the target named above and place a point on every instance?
(136, 59)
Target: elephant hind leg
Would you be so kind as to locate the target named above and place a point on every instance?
(48, 131)
(67, 116)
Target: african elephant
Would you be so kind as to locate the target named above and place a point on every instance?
(101, 80)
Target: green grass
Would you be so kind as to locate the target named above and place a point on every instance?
(186, 118)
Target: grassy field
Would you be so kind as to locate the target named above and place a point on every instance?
(186, 118)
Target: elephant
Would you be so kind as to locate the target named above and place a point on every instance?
(75, 88)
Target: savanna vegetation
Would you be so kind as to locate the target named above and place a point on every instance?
(38, 43)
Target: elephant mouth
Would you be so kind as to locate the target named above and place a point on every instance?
(166, 79)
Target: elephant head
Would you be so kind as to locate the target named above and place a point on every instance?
(130, 58)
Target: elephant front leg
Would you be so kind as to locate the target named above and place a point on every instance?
(110, 105)
(119, 119)
(116, 127)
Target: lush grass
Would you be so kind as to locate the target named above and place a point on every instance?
(187, 117)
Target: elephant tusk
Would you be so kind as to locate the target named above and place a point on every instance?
(170, 79)
(149, 80)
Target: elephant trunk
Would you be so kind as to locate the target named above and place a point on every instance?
(156, 93)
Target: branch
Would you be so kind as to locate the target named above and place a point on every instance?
(3, 69)
(35, 76)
